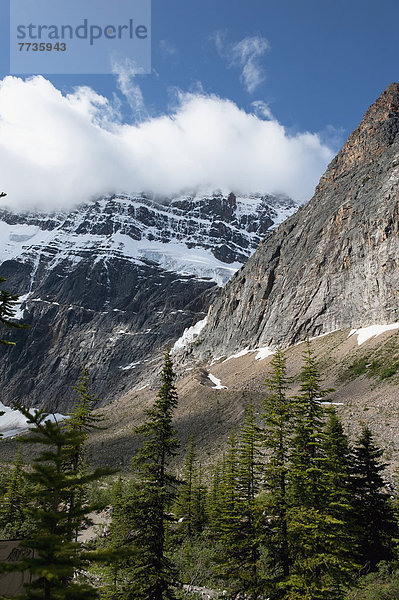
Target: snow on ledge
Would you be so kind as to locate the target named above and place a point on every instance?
(366, 333)
(189, 335)
(262, 353)
(218, 384)
(13, 422)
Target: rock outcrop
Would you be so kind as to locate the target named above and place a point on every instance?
(333, 264)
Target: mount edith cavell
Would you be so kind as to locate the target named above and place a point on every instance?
(115, 282)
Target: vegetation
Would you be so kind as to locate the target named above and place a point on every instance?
(380, 364)
(8, 302)
(293, 511)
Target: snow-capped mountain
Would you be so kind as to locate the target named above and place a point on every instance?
(115, 281)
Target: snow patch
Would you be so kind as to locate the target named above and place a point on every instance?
(218, 384)
(132, 365)
(239, 354)
(366, 333)
(13, 422)
(264, 353)
(189, 335)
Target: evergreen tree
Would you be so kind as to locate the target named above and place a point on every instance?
(8, 302)
(80, 423)
(14, 520)
(318, 538)
(229, 516)
(200, 494)
(191, 498)
(117, 577)
(146, 510)
(306, 458)
(56, 557)
(214, 502)
(278, 417)
(373, 510)
(187, 490)
(248, 540)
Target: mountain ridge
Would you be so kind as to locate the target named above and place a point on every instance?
(333, 264)
(114, 282)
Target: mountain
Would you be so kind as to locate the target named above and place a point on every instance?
(112, 283)
(333, 264)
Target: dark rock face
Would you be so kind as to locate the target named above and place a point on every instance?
(332, 265)
(113, 283)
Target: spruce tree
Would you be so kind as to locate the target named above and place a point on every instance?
(229, 517)
(248, 482)
(14, 520)
(214, 501)
(372, 511)
(56, 557)
(8, 303)
(81, 422)
(306, 457)
(317, 538)
(117, 576)
(187, 490)
(277, 417)
(192, 495)
(146, 510)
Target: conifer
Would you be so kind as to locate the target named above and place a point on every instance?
(56, 558)
(146, 508)
(372, 510)
(277, 417)
(8, 302)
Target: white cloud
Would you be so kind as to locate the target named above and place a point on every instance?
(126, 71)
(246, 56)
(60, 150)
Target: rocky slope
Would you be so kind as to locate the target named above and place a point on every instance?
(114, 282)
(332, 265)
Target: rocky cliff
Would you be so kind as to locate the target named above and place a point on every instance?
(111, 284)
(333, 264)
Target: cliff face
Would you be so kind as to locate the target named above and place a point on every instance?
(332, 265)
(113, 283)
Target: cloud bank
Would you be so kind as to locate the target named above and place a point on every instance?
(57, 151)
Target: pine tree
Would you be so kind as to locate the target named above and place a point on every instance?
(278, 416)
(8, 302)
(147, 507)
(56, 557)
(373, 510)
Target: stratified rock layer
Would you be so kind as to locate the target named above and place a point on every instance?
(113, 283)
(332, 265)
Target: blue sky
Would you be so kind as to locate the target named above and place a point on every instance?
(319, 63)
